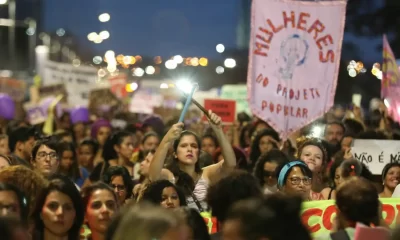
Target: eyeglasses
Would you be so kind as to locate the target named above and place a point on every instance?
(43, 155)
(297, 181)
(119, 188)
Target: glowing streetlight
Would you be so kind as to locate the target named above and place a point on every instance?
(97, 60)
(92, 36)
(104, 17)
(138, 72)
(220, 70)
(171, 64)
(220, 48)
(178, 59)
(3, 2)
(104, 35)
(230, 63)
(163, 86)
(60, 32)
(150, 70)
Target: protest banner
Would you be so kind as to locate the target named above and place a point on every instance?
(319, 216)
(53, 91)
(14, 88)
(375, 154)
(390, 85)
(294, 58)
(79, 81)
(102, 100)
(237, 93)
(144, 101)
(118, 85)
(35, 113)
(226, 109)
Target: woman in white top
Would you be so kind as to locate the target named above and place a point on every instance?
(185, 165)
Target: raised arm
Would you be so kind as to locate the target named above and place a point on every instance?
(226, 147)
(157, 163)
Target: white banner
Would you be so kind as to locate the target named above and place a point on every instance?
(375, 154)
(79, 81)
(237, 93)
(295, 51)
(144, 101)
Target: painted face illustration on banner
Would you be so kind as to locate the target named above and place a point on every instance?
(294, 53)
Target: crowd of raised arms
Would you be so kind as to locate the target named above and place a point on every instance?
(192, 181)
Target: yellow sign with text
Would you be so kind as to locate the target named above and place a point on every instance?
(318, 216)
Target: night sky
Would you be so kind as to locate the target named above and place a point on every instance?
(149, 27)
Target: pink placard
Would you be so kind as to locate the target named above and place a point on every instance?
(294, 58)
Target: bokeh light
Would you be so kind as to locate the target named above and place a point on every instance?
(178, 59)
(230, 63)
(97, 60)
(157, 60)
(220, 48)
(101, 72)
(194, 62)
(60, 32)
(171, 64)
(127, 60)
(104, 35)
(138, 72)
(92, 36)
(203, 61)
(76, 62)
(150, 70)
(104, 17)
(163, 85)
(220, 70)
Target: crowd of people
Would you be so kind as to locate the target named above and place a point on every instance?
(156, 180)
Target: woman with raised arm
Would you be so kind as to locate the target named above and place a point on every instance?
(185, 165)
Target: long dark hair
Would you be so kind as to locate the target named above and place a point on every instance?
(74, 172)
(64, 185)
(153, 192)
(184, 181)
(109, 152)
(255, 148)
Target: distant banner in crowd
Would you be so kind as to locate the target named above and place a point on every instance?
(144, 101)
(79, 81)
(53, 91)
(226, 109)
(295, 52)
(375, 154)
(237, 93)
(118, 85)
(14, 88)
(319, 216)
(390, 85)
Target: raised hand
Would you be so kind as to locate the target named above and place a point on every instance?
(174, 132)
(214, 120)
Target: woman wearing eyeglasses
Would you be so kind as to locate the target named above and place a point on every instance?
(265, 169)
(118, 178)
(295, 178)
(45, 159)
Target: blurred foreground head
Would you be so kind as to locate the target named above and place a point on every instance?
(145, 221)
(275, 217)
(357, 201)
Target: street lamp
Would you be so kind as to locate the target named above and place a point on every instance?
(3, 2)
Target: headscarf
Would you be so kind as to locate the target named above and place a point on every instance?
(97, 125)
